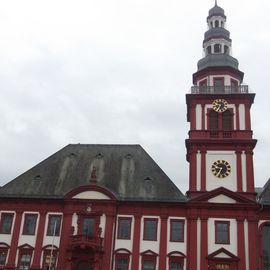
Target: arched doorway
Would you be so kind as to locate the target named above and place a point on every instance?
(84, 265)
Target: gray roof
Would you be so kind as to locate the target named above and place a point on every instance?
(217, 32)
(217, 60)
(216, 10)
(264, 196)
(126, 170)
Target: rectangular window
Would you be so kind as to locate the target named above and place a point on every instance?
(3, 257)
(222, 232)
(49, 262)
(219, 85)
(203, 86)
(54, 225)
(234, 85)
(6, 223)
(177, 230)
(24, 263)
(124, 227)
(176, 263)
(122, 262)
(148, 264)
(88, 226)
(29, 226)
(150, 229)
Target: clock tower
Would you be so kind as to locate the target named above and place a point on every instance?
(220, 143)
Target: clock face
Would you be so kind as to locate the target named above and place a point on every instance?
(220, 105)
(221, 168)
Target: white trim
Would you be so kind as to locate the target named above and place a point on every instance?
(198, 244)
(244, 171)
(198, 176)
(198, 116)
(246, 243)
(242, 124)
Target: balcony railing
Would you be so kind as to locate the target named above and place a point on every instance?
(228, 89)
(85, 240)
(220, 134)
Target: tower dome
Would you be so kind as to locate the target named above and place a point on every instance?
(216, 11)
(217, 62)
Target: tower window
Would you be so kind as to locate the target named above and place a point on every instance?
(209, 50)
(213, 120)
(222, 229)
(220, 121)
(227, 120)
(234, 86)
(219, 84)
(217, 48)
(216, 23)
(226, 49)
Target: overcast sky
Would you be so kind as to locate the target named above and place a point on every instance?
(116, 72)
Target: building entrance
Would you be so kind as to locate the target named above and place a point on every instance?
(84, 265)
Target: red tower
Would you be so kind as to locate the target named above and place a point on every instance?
(220, 144)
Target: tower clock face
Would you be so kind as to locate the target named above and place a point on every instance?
(220, 105)
(221, 168)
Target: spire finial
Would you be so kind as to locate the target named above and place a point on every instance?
(215, 2)
(93, 177)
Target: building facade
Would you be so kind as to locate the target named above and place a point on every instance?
(111, 207)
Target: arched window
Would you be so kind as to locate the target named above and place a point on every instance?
(222, 24)
(216, 23)
(213, 120)
(266, 246)
(226, 49)
(227, 121)
(217, 48)
(209, 50)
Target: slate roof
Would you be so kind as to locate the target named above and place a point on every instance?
(264, 196)
(126, 170)
(215, 11)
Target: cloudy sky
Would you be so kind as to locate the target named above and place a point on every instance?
(117, 71)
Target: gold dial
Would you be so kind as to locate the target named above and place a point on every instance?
(221, 168)
(220, 105)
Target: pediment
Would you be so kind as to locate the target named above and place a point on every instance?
(222, 253)
(91, 195)
(222, 195)
(222, 199)
(149, 253)
(91, 192)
